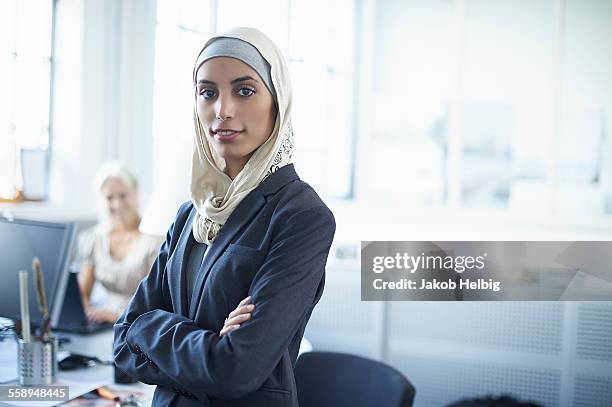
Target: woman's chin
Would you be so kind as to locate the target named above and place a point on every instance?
(121, 222)
(233, 155)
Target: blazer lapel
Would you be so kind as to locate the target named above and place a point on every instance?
(177, 280)
(241, 216)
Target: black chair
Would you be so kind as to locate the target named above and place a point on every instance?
(337, 380)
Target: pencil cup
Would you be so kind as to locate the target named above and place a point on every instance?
(37, 362)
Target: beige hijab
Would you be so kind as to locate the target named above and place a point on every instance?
(213, 193)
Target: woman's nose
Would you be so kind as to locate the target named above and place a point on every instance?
(224, 107)
(115, 204)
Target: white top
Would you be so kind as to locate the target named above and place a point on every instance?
(119, 278)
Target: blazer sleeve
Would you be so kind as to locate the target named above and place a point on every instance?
(152, 294)
(283, 291)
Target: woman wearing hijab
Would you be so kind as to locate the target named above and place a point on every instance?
(220, 317)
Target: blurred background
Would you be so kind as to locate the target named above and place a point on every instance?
(414, 120)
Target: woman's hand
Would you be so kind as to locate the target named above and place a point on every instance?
(101, 315)
(241, 314)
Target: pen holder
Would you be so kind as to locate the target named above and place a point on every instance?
(37, 362)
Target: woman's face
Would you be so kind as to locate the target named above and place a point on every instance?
(235, 107)
(122, 201)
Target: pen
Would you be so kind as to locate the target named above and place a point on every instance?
(25, 310)
(42, 298)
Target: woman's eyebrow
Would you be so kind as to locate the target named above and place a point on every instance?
(244, 78)
(241, 79)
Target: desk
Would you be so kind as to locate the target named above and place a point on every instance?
(100, 345)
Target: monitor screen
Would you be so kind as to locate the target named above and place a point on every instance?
(21, 241)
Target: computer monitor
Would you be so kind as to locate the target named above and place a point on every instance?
(20, 241)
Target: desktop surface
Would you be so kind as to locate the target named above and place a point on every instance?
(99, 345)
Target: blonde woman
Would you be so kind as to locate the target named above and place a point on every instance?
(219, 319)
(115, 253)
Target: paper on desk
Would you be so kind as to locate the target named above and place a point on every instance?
(75, 390)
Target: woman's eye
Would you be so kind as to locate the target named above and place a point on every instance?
(207, 93)
(245, 91)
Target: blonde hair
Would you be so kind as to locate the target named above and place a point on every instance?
(112, 169)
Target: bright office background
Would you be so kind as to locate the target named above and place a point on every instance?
(414, 119)
(498, 105)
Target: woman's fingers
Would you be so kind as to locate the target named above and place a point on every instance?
(228, 328)
(241, 314)
(238, 319)
(91, 313)
(244, 309)
(94, 314)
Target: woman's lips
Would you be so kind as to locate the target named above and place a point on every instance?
(226, 134)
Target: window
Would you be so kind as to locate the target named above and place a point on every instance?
(501, 105)
(507, 94)
(469, 104)
(584, 148)
(323, 69)
(412, 84)
(25, 80)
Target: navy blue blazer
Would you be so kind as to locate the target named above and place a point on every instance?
(273, 247)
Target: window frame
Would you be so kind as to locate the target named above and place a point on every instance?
(18, 196)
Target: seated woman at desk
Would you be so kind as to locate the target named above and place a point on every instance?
(114, 252)
(219, 319)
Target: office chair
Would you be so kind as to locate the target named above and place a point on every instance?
(326, 379)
